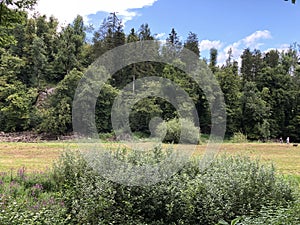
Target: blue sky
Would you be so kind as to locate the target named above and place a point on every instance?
(235, 24)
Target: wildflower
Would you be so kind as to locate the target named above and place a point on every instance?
(38, 186)
(36, 189)
(3, 174)
(12, 184)
(21, 172)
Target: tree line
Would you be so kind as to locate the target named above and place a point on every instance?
(41, 65)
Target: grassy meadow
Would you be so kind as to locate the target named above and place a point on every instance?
(232, 189)
(40, 156)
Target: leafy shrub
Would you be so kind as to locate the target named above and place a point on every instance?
(230, 187)
(30, 199)
(57, 108)
(240, 186)
(45, 212)
(175, 127)
(239, 138)
(271, 216)
(106, 137)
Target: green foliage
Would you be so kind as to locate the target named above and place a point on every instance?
(30, 199)
(70, 47)
(274, 216)
(232, 189)
(229, 188)
(16, 114)
(192, 43)
(262, 98)
(38, 53)
(109, 35)
(16, 100)
(56, 120)
(179, 130)
(230, 84)
(213, 59)
(239, 138)
(103, 108)
(246, 187)
(104, 101)
(57, 109)
(173, 46)
(255, 112)
(16, 214)
(10, 66)
(142, 114)
(11, 14)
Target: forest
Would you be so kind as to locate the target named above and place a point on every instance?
(42, 63)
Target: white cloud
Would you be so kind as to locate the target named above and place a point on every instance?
(207, 45)
(67, 10)
(236, 51)
(281, 48)
(160, 35)
(127, 15)
(252, 41)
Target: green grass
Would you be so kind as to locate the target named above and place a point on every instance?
(40, 156)
(32, 156)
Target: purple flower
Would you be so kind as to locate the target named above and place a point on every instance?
(3, 174)
(21, 172)
(36, 207)
(12, 184)
(38, 186)
(35, 190)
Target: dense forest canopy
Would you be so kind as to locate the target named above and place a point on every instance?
(40, 66)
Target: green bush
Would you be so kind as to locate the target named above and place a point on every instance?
(278, 216)
(30, 199)
(239, 186)
(45, 212)
(230, 187)
(175, 127)
(239, 138)
(56, 110)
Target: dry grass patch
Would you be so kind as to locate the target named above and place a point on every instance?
(40, 156)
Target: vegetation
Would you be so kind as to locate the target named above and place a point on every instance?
(231, 187)
(172, 131)
(239, 138)
(41, 65)
(40, 156)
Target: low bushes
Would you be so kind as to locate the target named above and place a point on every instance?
(74, 193)
(239, 138)
(30, 199)
(179, 130)
(230, 187)
(274, 216)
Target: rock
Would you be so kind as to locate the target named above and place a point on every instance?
(43, 95)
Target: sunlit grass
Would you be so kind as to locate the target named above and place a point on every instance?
(40, 156)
